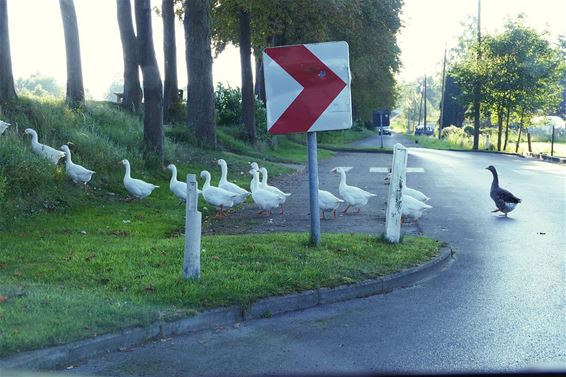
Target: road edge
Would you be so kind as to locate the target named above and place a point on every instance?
(72, 353)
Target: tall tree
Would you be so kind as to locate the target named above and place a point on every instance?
(75, 88)
(171, 87)
(132, 94)
(152, 86)
(248, 98)
(200, 96)
(7, 91)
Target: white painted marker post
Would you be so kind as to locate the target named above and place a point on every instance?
(393, 212)
(191, 262)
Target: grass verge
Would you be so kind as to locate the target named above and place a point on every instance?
(73, 285)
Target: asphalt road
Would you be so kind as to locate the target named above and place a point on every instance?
(500, 307)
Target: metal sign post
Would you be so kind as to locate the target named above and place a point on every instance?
(193, 222)
(313, 188)
(307, 89)
(394, 196)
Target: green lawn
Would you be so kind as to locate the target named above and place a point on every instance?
(72, 281)
(73, 265)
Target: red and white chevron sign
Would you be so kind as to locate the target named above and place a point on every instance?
(307, 88)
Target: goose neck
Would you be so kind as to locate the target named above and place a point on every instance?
(255, 180)
(173, 174)
(495, 182)
(342, 178)
(127, 175)
(224, 169)
(206, 180)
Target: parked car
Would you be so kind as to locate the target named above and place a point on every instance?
(422, 130)
(386, 130)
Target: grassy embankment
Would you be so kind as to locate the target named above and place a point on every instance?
(76, 265)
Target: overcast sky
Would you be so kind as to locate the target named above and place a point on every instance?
(37, 43)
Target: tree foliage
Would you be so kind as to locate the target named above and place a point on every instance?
(39, 85)
(520, 74)
(369, 27)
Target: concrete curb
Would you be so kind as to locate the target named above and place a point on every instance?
(56, 357)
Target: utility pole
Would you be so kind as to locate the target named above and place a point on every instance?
(442, 94)
(477, 89)
(420, 107)
(424, 122)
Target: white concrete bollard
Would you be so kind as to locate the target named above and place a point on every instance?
(193, 223)
(394, 195)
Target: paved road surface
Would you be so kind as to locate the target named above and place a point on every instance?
(500, 307)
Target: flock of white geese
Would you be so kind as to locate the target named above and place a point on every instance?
(227, 194)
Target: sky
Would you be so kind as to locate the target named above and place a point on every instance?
(37, 42)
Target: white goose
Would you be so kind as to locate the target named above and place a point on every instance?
(415, 194)
(136, 187)
(328, 202)
(216, 196)
(263, 184)
(78, 173)
(412, 208)
(3, 126)
(409, 191)
(178, 188)
(264, 199)
(229, 186)
(43, 150)
(354, 196)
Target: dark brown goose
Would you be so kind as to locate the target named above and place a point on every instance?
(504, 200)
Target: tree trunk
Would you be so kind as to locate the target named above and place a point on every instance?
(132, 94)
(259, 79)
(529, 142)
(75, 88)
(507, 127)
(519, 138)
(152, 86)
(520, 131)
(7, 91)
(248, 99)
(200, 91)
(499, 127)
(171, 88)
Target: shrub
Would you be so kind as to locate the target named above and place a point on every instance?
(228, 104)
(469, 130)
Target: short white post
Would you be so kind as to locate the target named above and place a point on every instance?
(191, 263)
(396, 184)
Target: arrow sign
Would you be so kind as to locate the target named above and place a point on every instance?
(307, 88)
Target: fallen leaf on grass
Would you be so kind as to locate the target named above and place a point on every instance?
(3, 299)
(215, 257)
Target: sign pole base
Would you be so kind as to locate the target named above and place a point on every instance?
(313, 187)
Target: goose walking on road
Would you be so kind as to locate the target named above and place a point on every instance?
(266, 200)
(354, 196)
(229, 186)
(217, 197)
(282, 195)
(503, 199)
